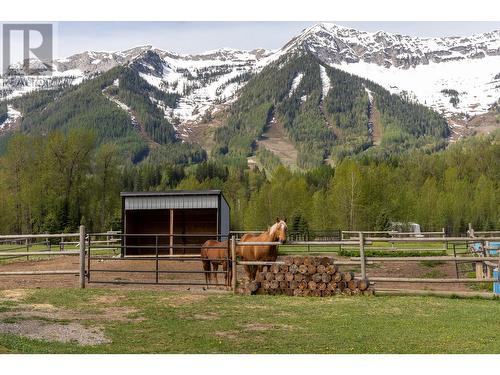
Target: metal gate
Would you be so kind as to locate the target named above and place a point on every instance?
(156, 259)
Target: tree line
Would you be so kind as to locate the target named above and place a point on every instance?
(55, 183)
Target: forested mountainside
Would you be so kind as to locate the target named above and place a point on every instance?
(314, 106)
(116, 106)
(326, 113)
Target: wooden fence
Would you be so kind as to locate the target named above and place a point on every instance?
(46, 252)
(362, 241)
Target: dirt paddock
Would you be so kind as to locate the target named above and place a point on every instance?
(387, 269)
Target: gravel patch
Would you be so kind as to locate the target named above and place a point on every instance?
(47, 311)
(72, 332)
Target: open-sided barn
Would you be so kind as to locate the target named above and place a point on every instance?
(174, 222)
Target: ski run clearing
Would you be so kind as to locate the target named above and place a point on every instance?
(295, 83)
(325, 81)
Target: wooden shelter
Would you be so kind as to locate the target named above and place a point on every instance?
(172, 222)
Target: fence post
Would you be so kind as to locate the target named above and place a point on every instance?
(234, 265)
(82, 256)
(362, 255)
(478, 265)
(157, 265)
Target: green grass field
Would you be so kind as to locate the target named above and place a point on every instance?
(175, 322)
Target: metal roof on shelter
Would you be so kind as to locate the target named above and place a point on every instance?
(172, 199)
(171, 192)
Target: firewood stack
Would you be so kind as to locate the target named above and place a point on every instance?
(307, 276)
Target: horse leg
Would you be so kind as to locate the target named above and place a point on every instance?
(229, 273)
(225, 269)
(248, 271)
(206, 269)
(254, 273)
(215, 268)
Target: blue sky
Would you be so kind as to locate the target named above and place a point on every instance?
(193, 37)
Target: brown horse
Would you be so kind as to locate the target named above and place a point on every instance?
(212, 257)
(267, 253)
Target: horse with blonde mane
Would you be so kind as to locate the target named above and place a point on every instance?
(262, 253)
(215, 253)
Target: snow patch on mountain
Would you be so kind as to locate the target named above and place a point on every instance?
(325, 81)
(295, 83)
(202, 81)
(12, 116)
(370, 95)
(473, 80)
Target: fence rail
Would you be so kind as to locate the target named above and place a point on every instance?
(81, 252)
(30, 236)
(90, 247)
(155, 249)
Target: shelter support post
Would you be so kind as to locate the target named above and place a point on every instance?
(171, 232)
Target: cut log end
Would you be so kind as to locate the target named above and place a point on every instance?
(352, 284)
(326, 278)
(303, 269)
(317, 277)
(331, 269)
(298, 261)
(293, 269)
(363, 284)
(253, 286)
(288, 260)
(347, 276)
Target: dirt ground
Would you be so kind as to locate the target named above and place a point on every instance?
(47, 322)
(386, 269)
(480, 124)
(275, 140)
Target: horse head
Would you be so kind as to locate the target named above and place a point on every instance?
(278, 230)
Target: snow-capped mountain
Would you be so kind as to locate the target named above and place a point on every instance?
(336, 44)
(202, 81)
(453, 75)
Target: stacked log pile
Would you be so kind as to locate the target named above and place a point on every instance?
(307, 276)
